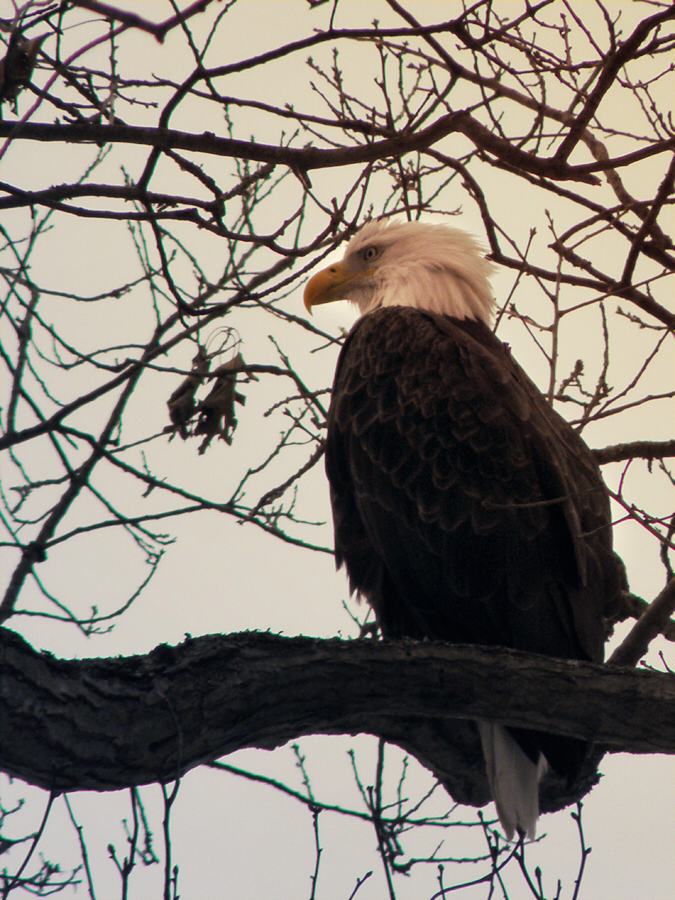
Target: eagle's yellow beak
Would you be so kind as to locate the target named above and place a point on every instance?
(326, 286)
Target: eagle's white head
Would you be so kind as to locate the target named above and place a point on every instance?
(389, 263)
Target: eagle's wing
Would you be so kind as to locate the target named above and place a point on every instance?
(465, 508)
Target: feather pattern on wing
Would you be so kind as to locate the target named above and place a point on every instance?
(465, 508)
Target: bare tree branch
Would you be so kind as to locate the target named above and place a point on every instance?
(652, 622)
(635, 450)
(310, 158)
(158, 29)
(104, 724)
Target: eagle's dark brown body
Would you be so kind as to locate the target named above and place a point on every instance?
(465, 508)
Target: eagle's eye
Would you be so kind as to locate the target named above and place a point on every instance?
(370, 253)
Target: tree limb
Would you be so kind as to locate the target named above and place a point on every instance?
(304, 159)
(131, 19)
(651, 623)
(103, 724)
(635, 450)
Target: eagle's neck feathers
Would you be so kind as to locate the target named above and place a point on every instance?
(429, 267)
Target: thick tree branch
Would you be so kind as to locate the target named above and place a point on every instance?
(103, 724)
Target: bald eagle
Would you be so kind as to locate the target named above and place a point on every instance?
(465, 509)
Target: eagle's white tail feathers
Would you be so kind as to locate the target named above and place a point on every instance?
(514, 780)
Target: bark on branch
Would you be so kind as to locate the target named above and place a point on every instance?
(635, 450)
(103, 724)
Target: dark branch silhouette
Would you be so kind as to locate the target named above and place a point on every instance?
(104, 724)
